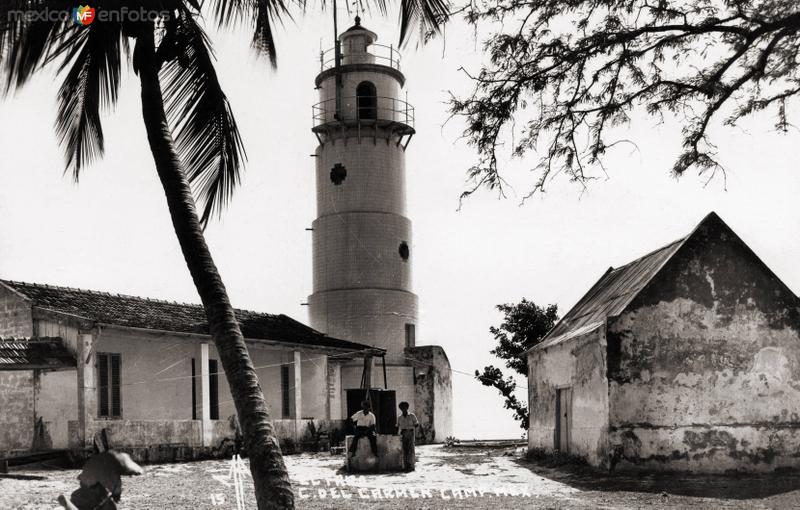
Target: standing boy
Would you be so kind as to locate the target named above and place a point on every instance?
(364, 421)
(407, 427)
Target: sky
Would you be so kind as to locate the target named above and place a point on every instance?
(111, 231)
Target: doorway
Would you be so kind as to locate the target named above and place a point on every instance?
(563, 419)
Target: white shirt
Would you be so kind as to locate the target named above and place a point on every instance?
(363, 420)
(407, 422)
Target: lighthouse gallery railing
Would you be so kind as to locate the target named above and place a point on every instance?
(384, 109)
(375, 54)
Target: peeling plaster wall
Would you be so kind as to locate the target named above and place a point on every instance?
(314, 371)
(578, 363)
(57, 404)
(15, 314)
(704, 365)
(16, 411)
(433, 395)
(16, 388)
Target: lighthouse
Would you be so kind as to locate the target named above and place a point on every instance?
(363, 252)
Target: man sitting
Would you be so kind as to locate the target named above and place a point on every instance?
(364, 421)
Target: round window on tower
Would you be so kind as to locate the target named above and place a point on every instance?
(403, 250)
(338, 174)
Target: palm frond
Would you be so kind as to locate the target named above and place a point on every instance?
(266, 13)
(260, 15)
(94, 58)
(25, 42)
(206, 136)
(428, 15)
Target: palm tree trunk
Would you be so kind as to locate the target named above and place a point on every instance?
(272, 486)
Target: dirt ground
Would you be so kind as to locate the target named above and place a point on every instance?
(469, 478)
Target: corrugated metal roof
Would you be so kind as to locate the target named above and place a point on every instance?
(30, 353)
(137, 312)
(610, 295)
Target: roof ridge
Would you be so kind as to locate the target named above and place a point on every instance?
(147, 299)
(652, 252)
(98, 292)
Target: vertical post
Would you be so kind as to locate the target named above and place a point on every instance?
(337, 58)
(298, 386)
(334, 390)
(204, 398)
(367, 376)
(407, 109)
(87, 389)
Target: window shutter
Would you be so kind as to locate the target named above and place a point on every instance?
(213, 389)
(116, 394)
(102, 383)
(286, 411)
(194, 392)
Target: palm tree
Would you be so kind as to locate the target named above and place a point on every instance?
(192, 134)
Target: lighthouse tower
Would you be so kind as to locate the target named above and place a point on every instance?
(362, 245)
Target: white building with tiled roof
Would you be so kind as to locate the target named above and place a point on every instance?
(146, 371)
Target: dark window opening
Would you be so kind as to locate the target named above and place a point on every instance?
(404, 251)
(194, 392)
(411, 335)
(109, 383)
(367, 100)
(285, 402)
(338, 174)
(213, 389)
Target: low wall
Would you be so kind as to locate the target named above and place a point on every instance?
(135, 433)
(176, 440)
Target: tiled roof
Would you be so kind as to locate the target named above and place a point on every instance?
(28, 353)
(137, 312)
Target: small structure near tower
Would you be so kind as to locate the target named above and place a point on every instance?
(362, 249)
(687, 358)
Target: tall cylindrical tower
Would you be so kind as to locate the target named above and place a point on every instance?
(362, 237)
(362, 234)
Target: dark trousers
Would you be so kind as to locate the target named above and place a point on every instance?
(369, 433)
(407, 439)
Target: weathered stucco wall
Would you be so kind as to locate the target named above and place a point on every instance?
(155, 376)
(433, 395)
(16, 388)
(16, 411)
(267, 362)
(704, 365)
(15, 314)
(56, 404)
(579, 364)
(314, 372)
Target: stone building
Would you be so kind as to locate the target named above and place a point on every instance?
(147, 372)
(362, 246)
(687, 358)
